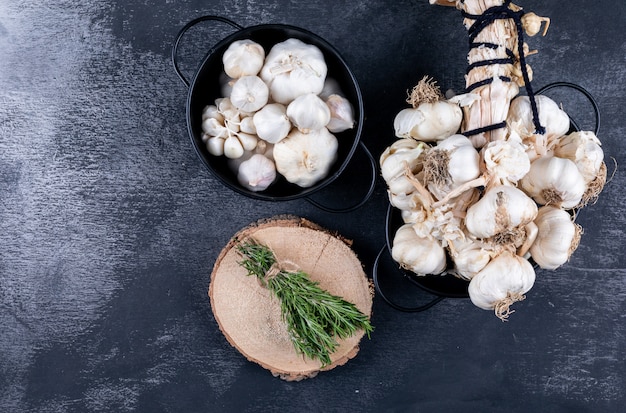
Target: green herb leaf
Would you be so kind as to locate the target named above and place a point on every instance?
(314, 317)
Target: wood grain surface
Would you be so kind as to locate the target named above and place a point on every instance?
(110, 224)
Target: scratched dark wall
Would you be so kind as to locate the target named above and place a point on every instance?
(109, 223)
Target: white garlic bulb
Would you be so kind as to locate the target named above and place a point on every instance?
(271, 122)
(584, 149)
(341, 113)
(554, 181)
(551, 117)
(305, 158)
(453, 162)
(256, 173)
(506, 160)
(293, 68)
(243, 58)
(429, 121)
(396, 158)
(503, 281)
(308, 112)
(418, 254)
(500, 209)
(469, 256)
(557, 237)
(249, 94)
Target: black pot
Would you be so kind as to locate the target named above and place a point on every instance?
(205, 87)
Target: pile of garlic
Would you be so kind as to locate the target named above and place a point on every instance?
(278, 114)
(482, 213)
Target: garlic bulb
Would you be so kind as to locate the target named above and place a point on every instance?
(420, 255)
(222, 132)
(293, 68)
(499, 211)
(249, 94)
(402, 154)
(429, 122)
(243, 58)
(308, 112)
(256, 173)
(271, 122)
(582, 148)
(453, 162)
(554, 181)
(501, 283)
(506, 161)
(341, 114)
(469, 257)
(557, 237)
(551, 117)
(305, 158)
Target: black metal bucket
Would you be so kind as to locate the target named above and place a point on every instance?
(205, 87)
(448, 285)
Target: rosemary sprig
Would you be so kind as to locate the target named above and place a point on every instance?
(314, 317)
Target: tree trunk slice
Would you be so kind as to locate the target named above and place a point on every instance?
(249, 315)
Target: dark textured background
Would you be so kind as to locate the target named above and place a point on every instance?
(110, 224)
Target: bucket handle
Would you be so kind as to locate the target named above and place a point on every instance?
(589, 96)
(363, 200)
(184, 30)
(375, 278)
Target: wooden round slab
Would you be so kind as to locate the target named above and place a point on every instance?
(249, 315)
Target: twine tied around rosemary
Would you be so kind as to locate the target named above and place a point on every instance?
(314, 318)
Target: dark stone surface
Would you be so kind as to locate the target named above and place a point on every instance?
(110, 224)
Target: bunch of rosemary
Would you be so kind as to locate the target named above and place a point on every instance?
(314, 317)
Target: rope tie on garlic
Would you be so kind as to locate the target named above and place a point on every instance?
(481, 22)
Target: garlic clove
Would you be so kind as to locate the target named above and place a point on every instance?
(341, 114)
(249, 94)
(211, 111)
(248, 141)
(243, 58)
(271, 122)
(246, 125)
(214, 127)
(557, 237)
(554, 181)
(215, 146)
(305, 158)
(308, 113)
(257, 173)
(233, 148)
(417, 254)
